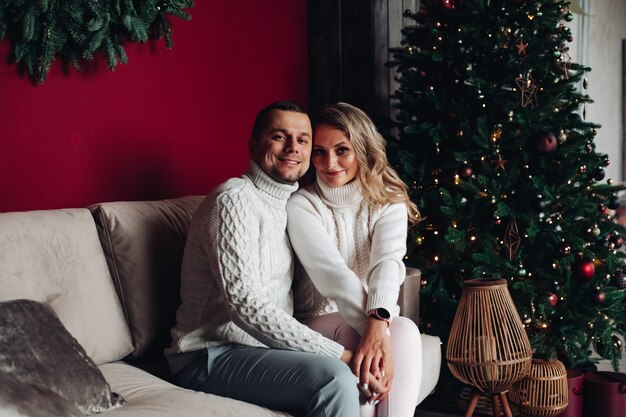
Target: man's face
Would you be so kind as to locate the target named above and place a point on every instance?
(284, 147)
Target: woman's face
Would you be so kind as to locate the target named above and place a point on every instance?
(333, 156)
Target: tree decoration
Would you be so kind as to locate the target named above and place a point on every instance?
(563, 62)
(564, 249)
(543, 142)
(448, 4)
(598, 296)
(583, 269)
(539, 204)
(474, 82)
(602, 350)
(521, 47)
(552, 299)
(499, 163)
(527, 87)
(616, 241)
(613, 203)
(618, 279)
(512, 239)
(76, 30)
(465, 171)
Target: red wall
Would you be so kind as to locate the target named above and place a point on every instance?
(169, 123)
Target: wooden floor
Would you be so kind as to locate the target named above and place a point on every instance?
(427, 413)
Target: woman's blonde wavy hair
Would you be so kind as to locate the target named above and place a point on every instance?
(380, 183)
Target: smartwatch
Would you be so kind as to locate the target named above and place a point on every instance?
(380, 314)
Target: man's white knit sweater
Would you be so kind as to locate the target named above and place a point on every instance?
(237, 274)
(351, 252)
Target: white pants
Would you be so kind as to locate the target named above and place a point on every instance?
(406, 348)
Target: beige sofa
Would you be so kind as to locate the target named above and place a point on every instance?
(110, 272)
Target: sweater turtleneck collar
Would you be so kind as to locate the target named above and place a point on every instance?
(342, 196)
(274, 190)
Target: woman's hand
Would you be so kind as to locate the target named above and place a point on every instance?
(372, 362)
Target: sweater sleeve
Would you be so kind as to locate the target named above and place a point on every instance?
(388, 247)
(234, 246)
(323, 262)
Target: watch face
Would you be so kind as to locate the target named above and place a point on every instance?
(383, 313)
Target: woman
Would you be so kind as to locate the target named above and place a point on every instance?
(349, 230)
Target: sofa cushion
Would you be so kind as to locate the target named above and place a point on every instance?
(18, 399)
(54, 256)
(36, 349)
(148, 396)
(144, 242)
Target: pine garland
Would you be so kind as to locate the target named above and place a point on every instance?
(75, 30)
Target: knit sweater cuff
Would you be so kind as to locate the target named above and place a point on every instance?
(333, 349)
(386, 300)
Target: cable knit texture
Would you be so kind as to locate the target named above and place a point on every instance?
(237, 274)
(350, 252)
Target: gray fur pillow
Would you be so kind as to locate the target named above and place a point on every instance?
(36, 349)
(18, 399)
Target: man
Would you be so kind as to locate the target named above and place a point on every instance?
(235, 335)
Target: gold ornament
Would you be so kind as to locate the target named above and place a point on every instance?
(564, 62)
(512, 239)
(496, 134)
(527, 86)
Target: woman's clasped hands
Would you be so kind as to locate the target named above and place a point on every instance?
(372, 362)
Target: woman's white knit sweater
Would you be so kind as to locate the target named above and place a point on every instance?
(237, 274)
(351, 252)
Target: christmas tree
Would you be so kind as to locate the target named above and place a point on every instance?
(494, 145)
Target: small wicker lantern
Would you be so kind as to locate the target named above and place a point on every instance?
(488, 347)
(543, 392)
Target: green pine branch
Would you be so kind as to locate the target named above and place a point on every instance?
(74, 30)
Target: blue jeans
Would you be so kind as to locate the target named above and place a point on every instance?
(316, 385)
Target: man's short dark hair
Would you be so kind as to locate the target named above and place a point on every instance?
(261, 119)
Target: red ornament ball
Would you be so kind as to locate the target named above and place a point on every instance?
(465, 171)
(618, 279)
(544, 142)
(552, 299)
(598, 296)
(583, 269)
(448, 4)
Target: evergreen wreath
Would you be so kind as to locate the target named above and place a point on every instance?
(75, 30)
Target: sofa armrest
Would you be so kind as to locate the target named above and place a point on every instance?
(409, 298)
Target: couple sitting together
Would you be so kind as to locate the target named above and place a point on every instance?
(319, 336)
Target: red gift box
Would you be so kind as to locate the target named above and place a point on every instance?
(604, 394)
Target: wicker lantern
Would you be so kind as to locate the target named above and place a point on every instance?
(543, 392)
(488, 347)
